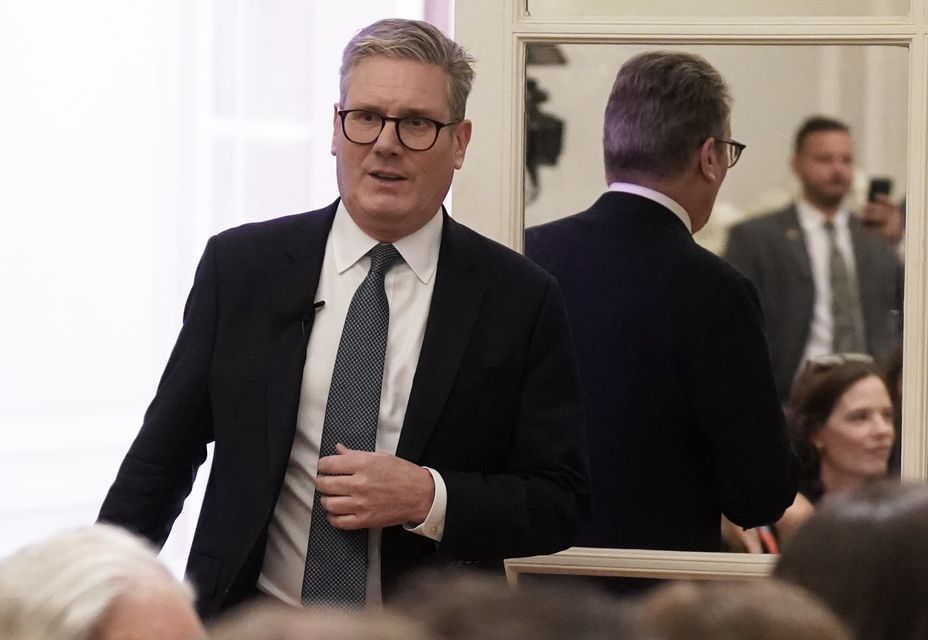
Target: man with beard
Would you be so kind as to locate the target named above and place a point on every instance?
(827, 284)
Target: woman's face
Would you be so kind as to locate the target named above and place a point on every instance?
(855, 443)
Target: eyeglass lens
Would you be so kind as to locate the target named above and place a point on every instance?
(414, 132)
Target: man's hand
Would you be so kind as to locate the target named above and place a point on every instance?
(741, 540)
(363, 489)
(885, 218)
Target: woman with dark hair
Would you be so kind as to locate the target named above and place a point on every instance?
(841, 420)
(892, 374)
(840, 417)
(865, 556)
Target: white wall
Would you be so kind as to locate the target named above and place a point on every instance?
(130, 131)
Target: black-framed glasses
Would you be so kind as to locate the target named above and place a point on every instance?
(416, 133)
(734, 150)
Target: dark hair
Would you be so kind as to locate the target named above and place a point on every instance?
(892, 375)
(817, 124)
(814, 395)
(663, 105)
(864, 555)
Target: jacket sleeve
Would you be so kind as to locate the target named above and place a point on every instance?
(739, 412)
(161, 464)
(539, 501)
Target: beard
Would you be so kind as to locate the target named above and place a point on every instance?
(830, 196)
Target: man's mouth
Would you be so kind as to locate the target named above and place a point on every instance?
(386, 176)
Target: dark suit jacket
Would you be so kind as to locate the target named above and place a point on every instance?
(494, 407)
(771, 251)
(683, 417)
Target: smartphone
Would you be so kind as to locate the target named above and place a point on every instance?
(879, 186)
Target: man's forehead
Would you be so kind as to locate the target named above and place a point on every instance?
(403, 82)
(830, 140)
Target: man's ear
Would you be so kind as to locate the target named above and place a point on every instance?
(461, 138)
(710, 162)
(335, 126)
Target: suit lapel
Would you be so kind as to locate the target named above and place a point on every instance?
(865, 262)
(455, 305)
(291, 323)
(796, 244)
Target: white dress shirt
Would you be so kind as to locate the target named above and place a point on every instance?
(818, 246)
(408, 285)
(656, 196)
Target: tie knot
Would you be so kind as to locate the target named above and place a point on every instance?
(383, 257)
(829, 226)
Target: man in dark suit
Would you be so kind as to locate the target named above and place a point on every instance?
(683, 417)
(476, 446)
(789, 253)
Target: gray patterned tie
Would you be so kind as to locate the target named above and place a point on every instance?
(845, 311)
(336, 561)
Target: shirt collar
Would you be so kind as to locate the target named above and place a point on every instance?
(419, 249)
(811, 218)
(656, 196)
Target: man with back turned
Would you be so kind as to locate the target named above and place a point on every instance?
(684, 420)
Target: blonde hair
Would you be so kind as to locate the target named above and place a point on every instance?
(60, 588)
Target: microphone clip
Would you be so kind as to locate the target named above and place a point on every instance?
(308, 316)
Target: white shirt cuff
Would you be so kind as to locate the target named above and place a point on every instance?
(434, 525)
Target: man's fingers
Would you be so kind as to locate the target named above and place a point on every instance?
(347, 522)
(343, 462)
(338, 505)
(335, 485)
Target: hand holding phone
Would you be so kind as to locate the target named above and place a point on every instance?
(878, 187)
(880, 214)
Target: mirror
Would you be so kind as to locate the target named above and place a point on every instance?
(774, 88)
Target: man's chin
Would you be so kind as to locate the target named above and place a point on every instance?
(831, 200)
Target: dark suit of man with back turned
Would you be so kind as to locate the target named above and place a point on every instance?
(445, 354)
(788, 255)
(684, 419)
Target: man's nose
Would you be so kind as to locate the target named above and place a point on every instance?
(389, 139)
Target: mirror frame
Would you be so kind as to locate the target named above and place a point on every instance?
(488, 196)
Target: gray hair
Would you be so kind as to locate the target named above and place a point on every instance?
(61, 588)
(663, 105)
(413, 40)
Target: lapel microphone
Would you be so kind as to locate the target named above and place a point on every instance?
(307, 316)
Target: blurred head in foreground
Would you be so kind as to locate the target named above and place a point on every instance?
(467, 606)
(864, 555)
(272, 621)
(743, 610)
(95, 583)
